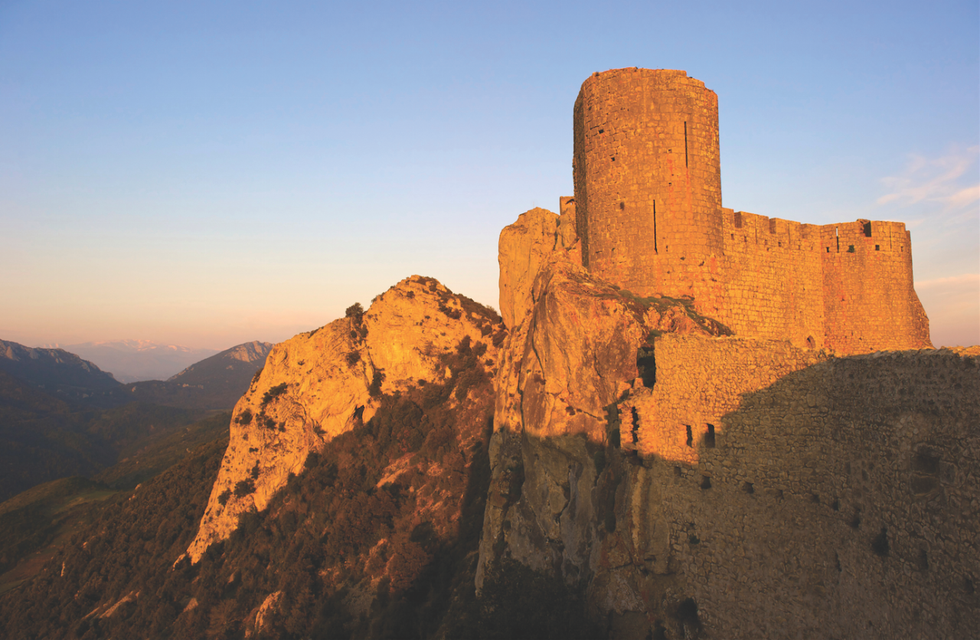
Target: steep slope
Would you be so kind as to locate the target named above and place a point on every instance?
(374, 535)
(214, 383)
(326, 382)
(694, 484)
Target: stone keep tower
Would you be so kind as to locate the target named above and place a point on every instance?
(648, 180)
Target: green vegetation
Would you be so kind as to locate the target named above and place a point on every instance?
(346, 520)
(664, 303)
(274, 393)
(35, 523)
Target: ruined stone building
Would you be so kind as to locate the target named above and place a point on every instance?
(650, 218)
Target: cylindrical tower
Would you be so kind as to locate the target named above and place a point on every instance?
(647, 177)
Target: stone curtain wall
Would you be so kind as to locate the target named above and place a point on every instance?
(870, 300)
(839, 501)
(774, 279)
(649, 216)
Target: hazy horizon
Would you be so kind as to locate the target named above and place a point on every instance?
(200, 176)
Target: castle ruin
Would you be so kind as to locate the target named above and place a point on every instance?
(650, 219)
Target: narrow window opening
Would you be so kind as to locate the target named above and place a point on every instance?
(685, 143)
(690, 436)
(622, 205)
(602, 130)
(738, 219)
(867, 229)
(705, 482)
(748, 487)
(772, 226)
(923, 562)
(828, 249)
(655, 226)
(709, 437)
(880, 544)
(646, 365)
(877, 247)
(850, 248)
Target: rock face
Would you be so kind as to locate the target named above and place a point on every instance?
(577, 351)
(535, 239)
(695, 484)
(320, 384)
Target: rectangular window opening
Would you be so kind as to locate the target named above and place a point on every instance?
(690, 436)
(709, 437)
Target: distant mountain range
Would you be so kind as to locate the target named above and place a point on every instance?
(136, 360)
(56, 371)
(213, 383)
(61, 415)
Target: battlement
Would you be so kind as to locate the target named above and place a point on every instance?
(649, 217)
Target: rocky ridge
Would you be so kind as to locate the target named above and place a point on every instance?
(320, 384)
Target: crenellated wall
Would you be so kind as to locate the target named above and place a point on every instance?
(650, 220)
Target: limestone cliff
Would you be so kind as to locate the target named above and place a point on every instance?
(320, 384)
(695, 484)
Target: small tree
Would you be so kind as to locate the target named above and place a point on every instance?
(355, 311)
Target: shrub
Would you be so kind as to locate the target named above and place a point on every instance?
(274, 392)
(375, 389)
(223, 498)
(244, 418)
(244, 487)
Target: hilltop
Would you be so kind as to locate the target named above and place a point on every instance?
(693, 453)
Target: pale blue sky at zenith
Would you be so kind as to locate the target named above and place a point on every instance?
(208, 173)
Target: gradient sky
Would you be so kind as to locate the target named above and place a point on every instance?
(208, 173)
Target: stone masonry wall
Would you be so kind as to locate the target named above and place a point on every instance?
(815, 496)
(647, 176)
(650, 220)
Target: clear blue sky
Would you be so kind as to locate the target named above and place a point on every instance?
(207, 173)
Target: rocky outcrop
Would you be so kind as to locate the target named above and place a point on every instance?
(537, 238)
(577, 352)
(320, 384)
(695, 484)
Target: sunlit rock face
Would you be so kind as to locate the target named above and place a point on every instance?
(320, 384)
(535, 239)
(575, 351)
(692, 483)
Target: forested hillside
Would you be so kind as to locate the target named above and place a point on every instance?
(377, 537)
